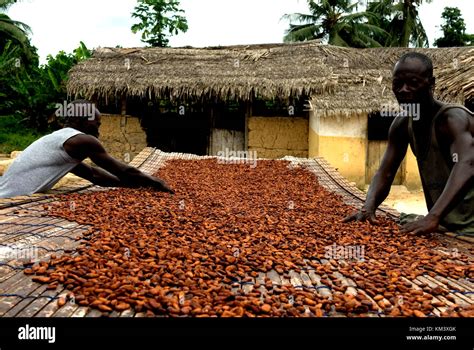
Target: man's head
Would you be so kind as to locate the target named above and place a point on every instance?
(82, 115)
(413, 80)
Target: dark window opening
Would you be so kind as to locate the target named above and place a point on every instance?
(294, 107)
(229, 115)
(378, 127)
(112, 106)
(175, 127)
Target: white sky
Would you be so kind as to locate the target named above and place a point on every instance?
(61, 24)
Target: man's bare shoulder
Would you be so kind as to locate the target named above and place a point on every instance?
(455, 113)
(400, 121)
(82, 145)
(399, 126)
(82, 140)
(455, 118)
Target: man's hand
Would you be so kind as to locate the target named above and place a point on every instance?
(162, 186)
(422, 226)
(362, 215)
(119, 174)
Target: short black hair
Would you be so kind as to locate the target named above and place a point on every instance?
(421, 57)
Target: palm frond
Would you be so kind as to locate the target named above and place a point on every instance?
(302, 33)
(337, 40)
(5, 4)
(300, 17)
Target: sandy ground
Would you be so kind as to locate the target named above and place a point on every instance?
(406, 202)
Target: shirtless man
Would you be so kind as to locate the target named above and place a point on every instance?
(441, 138)
(42, 164)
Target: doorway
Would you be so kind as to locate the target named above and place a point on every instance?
(377, 134)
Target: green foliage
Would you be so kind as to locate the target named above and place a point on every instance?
(335, 22)
(384, 23)
(57, 69)
(400, 20)
(159, 19)
(27, 90)
(14, 135)
(82, 52)
(15, 31)
(409, 29)
(5, 4)
(454, 30)
(32, 91)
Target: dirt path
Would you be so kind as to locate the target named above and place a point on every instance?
(406, 202)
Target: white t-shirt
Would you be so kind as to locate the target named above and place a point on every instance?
(40, 166)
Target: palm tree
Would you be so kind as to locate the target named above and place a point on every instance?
(401, 21)
(8, 56)
(335, 22)
(5, 4)
(15, 31)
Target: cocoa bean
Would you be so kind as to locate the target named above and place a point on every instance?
(188, 254)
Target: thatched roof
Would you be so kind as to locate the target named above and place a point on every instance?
(336, 78)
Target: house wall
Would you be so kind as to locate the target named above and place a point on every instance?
(122, 136)
(276, 137)
(407, 174)
(342, 141)
(412, 176)
(222, 139)
(375, 152)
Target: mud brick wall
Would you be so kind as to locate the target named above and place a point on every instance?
(122, 136)
(276, 137)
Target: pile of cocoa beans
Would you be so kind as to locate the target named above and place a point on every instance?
(186, 254)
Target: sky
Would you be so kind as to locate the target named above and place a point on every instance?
(62, 24)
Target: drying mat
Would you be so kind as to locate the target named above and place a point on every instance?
(27, 233)
(79, 185)
(26, 229)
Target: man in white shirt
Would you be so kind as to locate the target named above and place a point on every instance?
(42, 164)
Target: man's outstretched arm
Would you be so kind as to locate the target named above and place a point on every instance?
(116, 174)
(383, 179)
(454, 129)
(96, 175)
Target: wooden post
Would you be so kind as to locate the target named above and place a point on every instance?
(248, 114)
(123, 120)
(212, 122)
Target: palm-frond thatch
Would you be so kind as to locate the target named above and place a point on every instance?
(335, 78)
